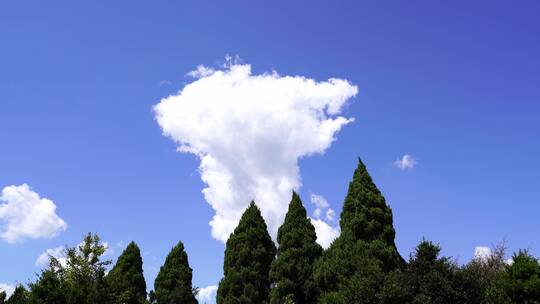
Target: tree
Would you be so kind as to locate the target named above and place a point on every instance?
(19, 296)
(173, 283)
(433, 279)
(353, 269)
(248, 255)
(50, 287)
(3, 297)
(84, 273)
(519, 282)
(368, 218)
(292, 270)
(126, 280)
(480, 273)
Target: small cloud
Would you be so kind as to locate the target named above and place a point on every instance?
(326, 234)
(207, 295)
(406, 162)
(59, 253)
(8, 288)
(319, 201)
(25, 215)
(201, 72)
(164, 83)
(330, 215)
(482, 253)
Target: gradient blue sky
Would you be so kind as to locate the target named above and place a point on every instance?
(454, 84)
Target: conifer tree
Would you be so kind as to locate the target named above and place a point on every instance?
(173, 283)
(3, 297)
(248, 255)
(354, 267)
(292, 270)
(125, 280)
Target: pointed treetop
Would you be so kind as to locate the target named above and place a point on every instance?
(365, 212)
(248, 255)
(298, 250)
(173, 283)
(126, 279)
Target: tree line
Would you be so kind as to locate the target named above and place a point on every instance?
(361, 266)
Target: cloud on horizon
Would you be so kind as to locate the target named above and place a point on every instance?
(249, 132)
(25, 215)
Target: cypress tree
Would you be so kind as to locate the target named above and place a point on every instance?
(126, 281)
(354, 267)
(292, 270)
(248, 255)
(173, 283)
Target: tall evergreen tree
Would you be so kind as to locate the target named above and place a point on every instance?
(248, 256)
(126, 280)
(292, 270)
(19, 296)
(3, 297)
(173, 283)
(354, 267)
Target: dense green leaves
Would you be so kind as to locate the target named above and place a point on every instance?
(354, 267)
(298, 250)
(173, 283)
(518, 282)
(125, 280)
(19, 296)
(248, 256)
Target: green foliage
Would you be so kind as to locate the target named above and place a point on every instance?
(248, 256)
(173, 283)
(19, 296)
(125, 280)
(85, 272)
(354, 267)
(298, 250)
(518, 283)
(80, 281)
(480, 273)
(50, 287)
(432, 278)
(3, 297)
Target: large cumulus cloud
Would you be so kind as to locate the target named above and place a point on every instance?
(249, 131)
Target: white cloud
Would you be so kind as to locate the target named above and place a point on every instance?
(325, 233)
(330, 215)
(8, 288)
(25, 215)
(482, 253)
(319, 201)
(207, 295)
(406, 162)
(59, 253)
(249, 131)
(201, 71)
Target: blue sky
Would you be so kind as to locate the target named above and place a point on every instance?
(454, 85)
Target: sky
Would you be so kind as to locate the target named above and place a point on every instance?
(158, 121)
